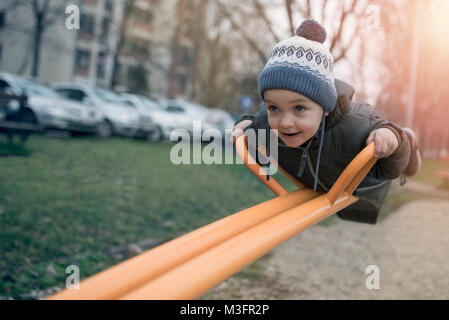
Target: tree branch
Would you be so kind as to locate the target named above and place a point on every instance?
(357, 30)
(245, 36)
(343, 17)
(260, 10)
(288, 6)
(323, 11)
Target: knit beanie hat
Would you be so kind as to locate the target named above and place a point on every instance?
(302, 64)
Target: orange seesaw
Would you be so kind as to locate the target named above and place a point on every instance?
(189, 266)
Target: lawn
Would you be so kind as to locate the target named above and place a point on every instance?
(75, 201)
(428, 173)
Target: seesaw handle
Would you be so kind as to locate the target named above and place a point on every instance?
(347, 182)
(354, 173)
(255, 168)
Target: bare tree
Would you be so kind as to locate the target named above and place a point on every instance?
(245, 31)
(46, 13)
(344, 10)
(199, 30)
(177, 38)
(122, 28)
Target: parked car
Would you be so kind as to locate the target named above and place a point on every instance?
(221, 120)
(47, 108)
(165, 122)
(187, 113)
(146, 127)
(9, 108)
(118, 118)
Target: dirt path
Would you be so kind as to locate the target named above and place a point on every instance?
(410, 247)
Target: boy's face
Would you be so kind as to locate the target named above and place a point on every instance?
(296, 117)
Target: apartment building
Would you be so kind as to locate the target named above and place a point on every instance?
(113, 46)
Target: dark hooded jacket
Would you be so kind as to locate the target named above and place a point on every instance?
(345, 135)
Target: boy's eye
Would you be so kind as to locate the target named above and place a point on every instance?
(272, 108)
(299, 108)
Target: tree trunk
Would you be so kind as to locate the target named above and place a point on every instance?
(121, 43)
(173, 89)
(37, 46)
(199, 39)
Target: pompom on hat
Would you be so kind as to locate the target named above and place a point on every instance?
(302, 64)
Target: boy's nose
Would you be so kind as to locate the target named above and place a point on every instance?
(285, 122)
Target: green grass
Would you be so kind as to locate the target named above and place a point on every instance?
(428, 173)
(10, 150)
(74, 200)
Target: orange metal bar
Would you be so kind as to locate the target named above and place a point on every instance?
(251, 164)
(353, 174)
(130, 274)
(198, 275)
(348, 180)
(297, 183)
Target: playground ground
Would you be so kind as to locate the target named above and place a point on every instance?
(410, 248)
(94, 203)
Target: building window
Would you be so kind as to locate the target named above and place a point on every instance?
(184, 56)
(2, 19)
(137, 79)
(92, 3)
(87, 27)
(139, 50)
(108, 6)
(101, 65)
(82, 63)
(182, 82)
(143, 17)
(105, 27)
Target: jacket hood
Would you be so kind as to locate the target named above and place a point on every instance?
(344, 89)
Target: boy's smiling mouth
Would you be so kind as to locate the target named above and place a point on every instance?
(289, 137)
(294, 134)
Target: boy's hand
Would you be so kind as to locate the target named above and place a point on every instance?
(385, 142)
(237, 131)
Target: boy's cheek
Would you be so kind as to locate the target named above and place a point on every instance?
(272, 123)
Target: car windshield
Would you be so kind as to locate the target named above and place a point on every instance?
(34, 88)
(127, 102)
(180, 106)
(193, 107)
(150, 104)
(201, 108)
(107, 96)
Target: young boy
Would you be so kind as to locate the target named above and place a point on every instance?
(318, 124)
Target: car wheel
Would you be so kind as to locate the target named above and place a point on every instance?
(156, 135)
(27, 116)
(105, 129)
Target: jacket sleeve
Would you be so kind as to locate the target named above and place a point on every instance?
(392, 167)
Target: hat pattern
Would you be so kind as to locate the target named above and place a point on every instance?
(316, 62)
(302, 65)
